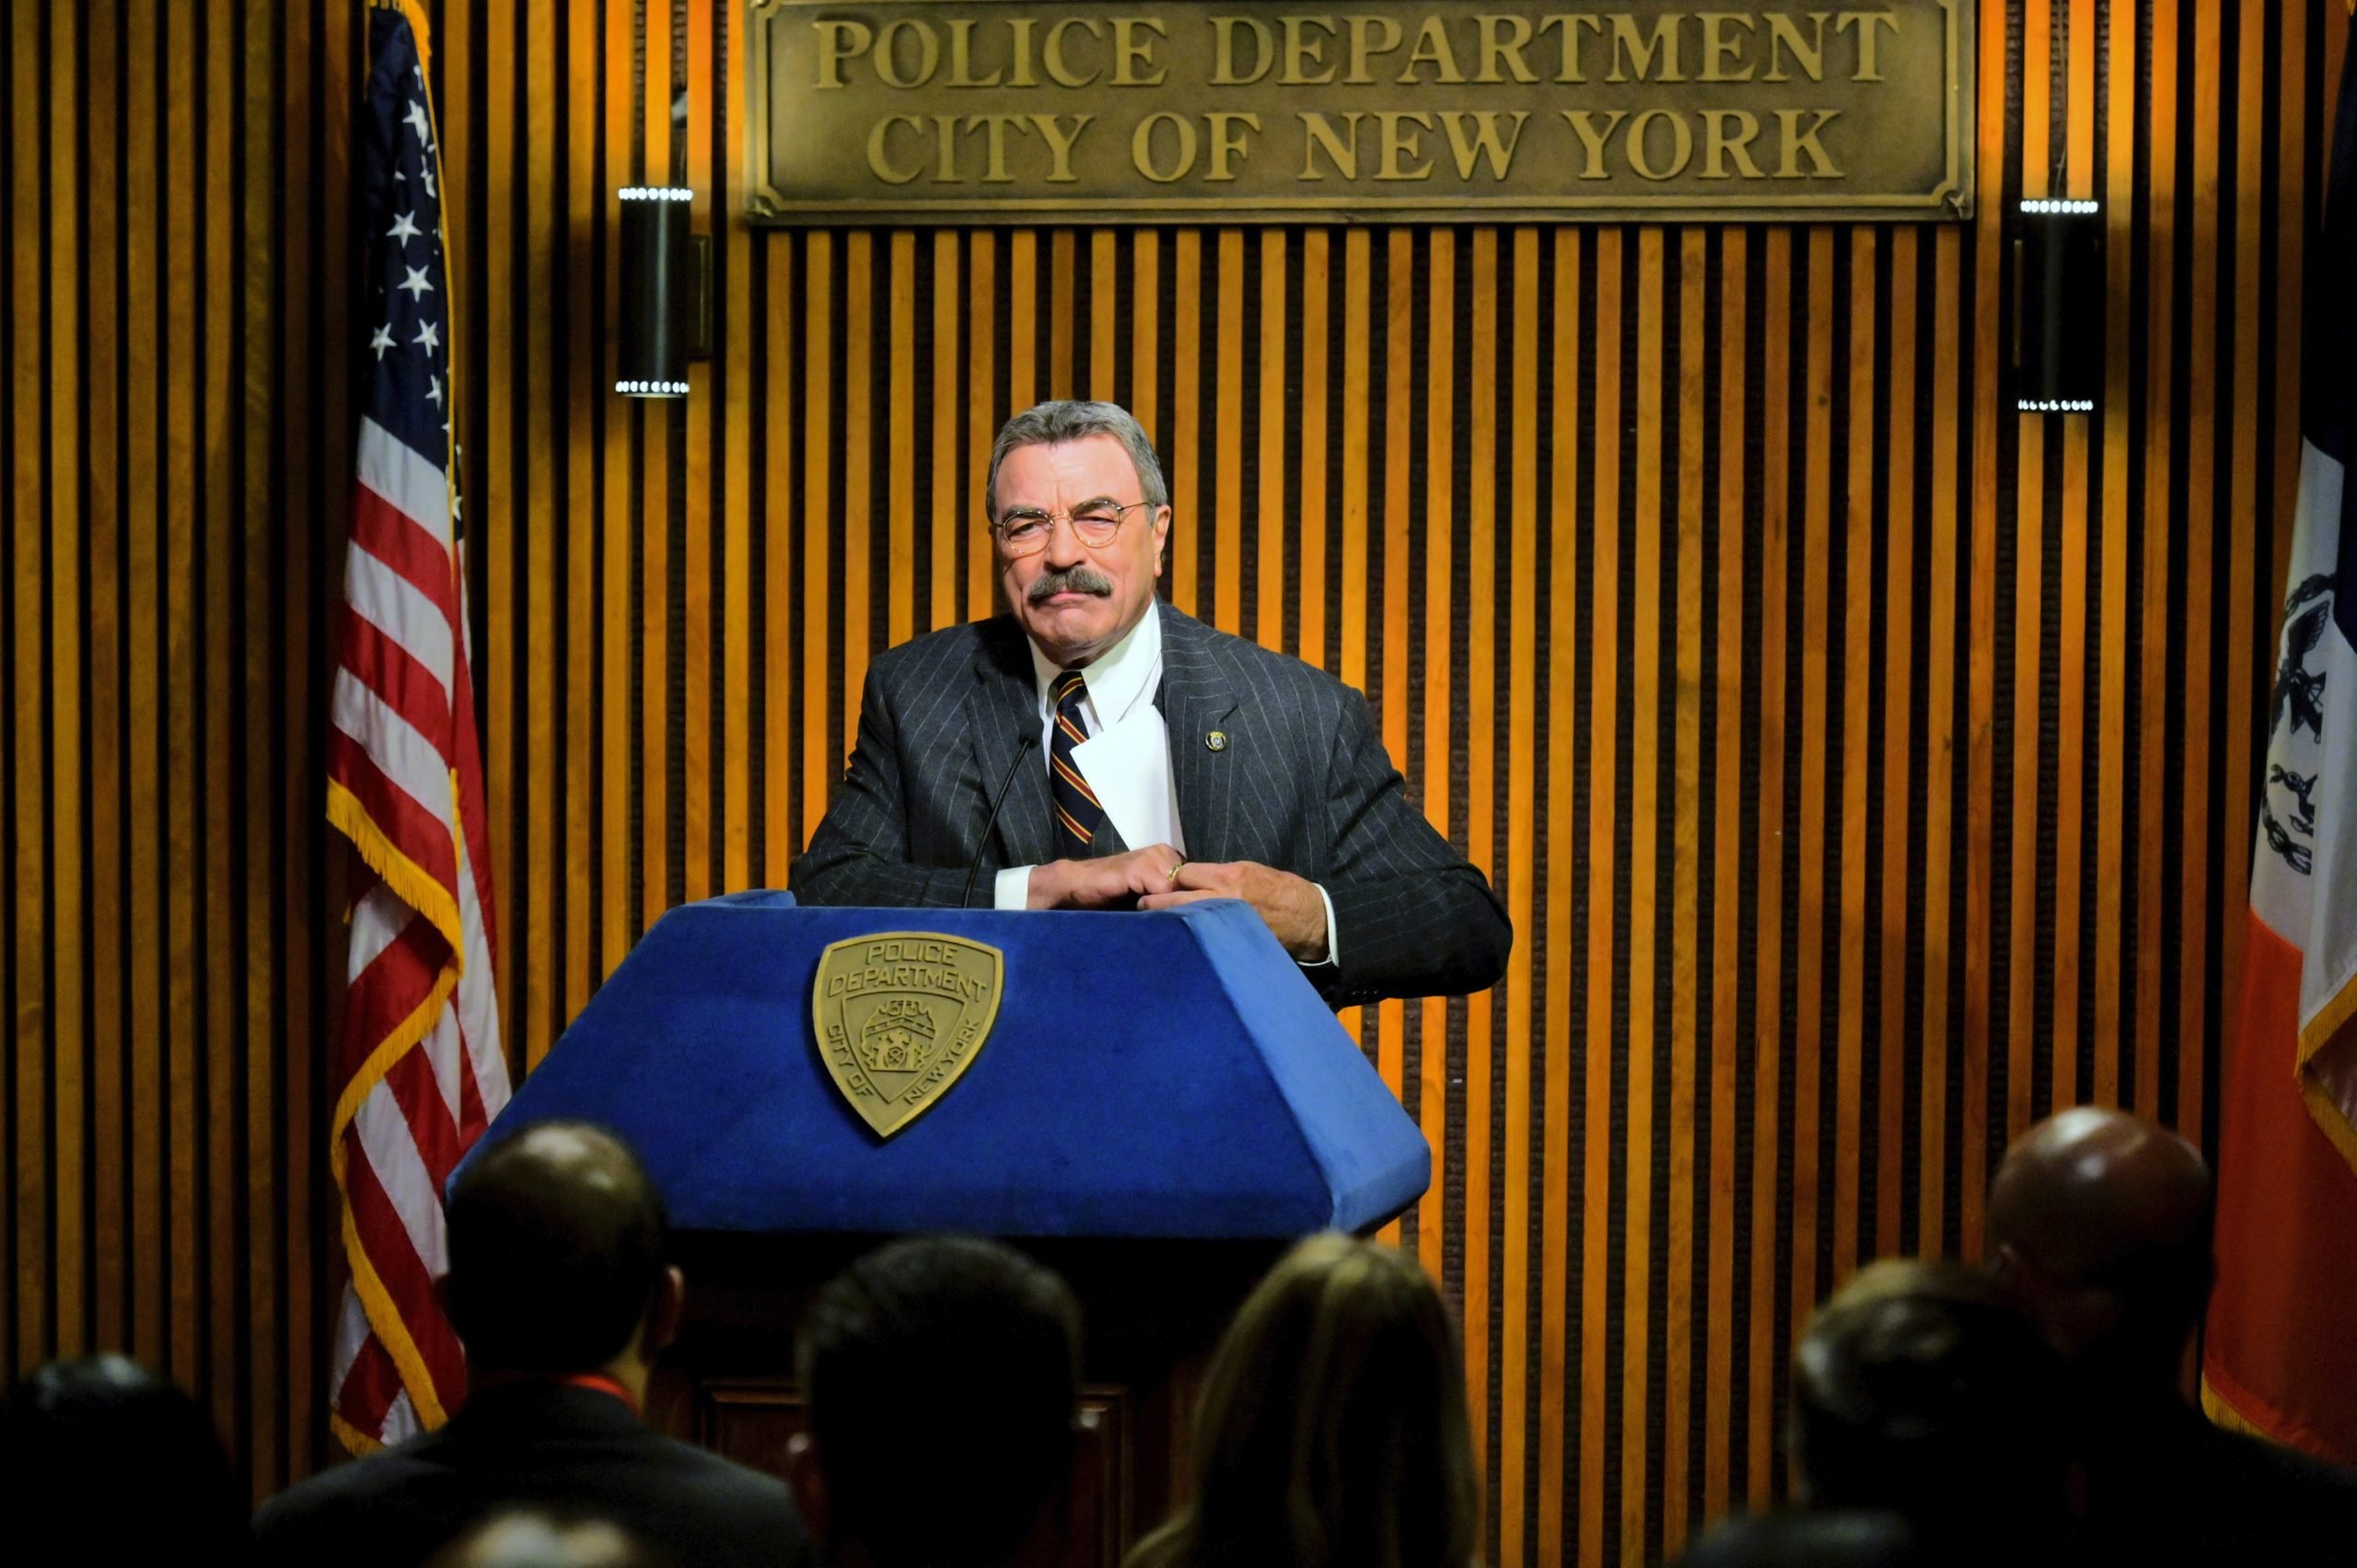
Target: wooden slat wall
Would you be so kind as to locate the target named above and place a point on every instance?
(178, 446)
(1868, 768)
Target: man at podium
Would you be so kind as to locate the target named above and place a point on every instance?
(1093, 748)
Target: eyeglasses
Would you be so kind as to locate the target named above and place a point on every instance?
(1025, 531)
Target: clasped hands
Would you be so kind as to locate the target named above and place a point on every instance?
(1160, 878)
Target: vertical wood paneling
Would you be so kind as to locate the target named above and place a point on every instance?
(2152, 957)
(1642, 859)
(1865, 767)
(1768, 767)
(610, 623)
(584, 392)
(1813, 1046)
(167, 539)
(1508, 1466)
(656, 518)
(150, 1228)
(1430, 1085)
(34, 1166)
(222, 956)
(185, 713)
(110, 1228)
(781, 832)
(2113, 1006)
(1554, 1483)
(1472, 1218)
(697, 791)
(1686, 939)
(1732, 672)
(1899, 617)
(1857, 688)
(1604, 860)
(67, 1031)
(497, 265)
(533, 893)
(261, 1332)
(2198, 630)
(1940, 970)
(860, 521)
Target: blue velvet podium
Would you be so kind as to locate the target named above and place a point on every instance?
(1146, 1075)
(1162, 1104)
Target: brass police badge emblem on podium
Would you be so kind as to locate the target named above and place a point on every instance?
(901, 1015)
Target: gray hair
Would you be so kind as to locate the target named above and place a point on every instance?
(1052, 423)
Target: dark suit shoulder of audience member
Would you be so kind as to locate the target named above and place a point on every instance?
(85, 1437)
(1831, 1537)
(572, 1451)
(559, 1289)
(1331, 1432)
(2166, 1486)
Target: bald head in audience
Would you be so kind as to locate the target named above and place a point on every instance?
(2099, 1227)
(557, 1241)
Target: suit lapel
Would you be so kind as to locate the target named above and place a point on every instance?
(1004, 708)
(1196, 701)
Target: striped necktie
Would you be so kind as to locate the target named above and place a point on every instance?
(1078, 813)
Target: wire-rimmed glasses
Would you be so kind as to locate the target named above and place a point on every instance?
(1024, 531)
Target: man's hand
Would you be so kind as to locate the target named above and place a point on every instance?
(1112, 883)
(1290, 904)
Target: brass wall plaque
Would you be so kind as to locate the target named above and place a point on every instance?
(1024, 111)
(901, 1016)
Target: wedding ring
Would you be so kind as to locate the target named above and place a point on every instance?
(1175, 865)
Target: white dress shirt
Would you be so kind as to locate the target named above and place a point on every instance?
(1126, 758)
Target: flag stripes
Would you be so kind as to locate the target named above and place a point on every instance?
(423, 1071)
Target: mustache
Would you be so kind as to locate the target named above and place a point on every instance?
(1072, 580)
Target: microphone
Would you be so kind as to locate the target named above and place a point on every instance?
(997, 800)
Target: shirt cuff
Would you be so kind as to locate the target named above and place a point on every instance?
(1013, 891)
(1334, 952)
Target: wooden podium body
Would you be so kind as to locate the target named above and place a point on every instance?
(1162, 1106)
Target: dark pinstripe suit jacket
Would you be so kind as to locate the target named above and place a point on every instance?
(1302, 783)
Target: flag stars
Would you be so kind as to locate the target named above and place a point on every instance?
(415, 283)
(415, 119)
(382, 341)
(434, 393)
(404, 228)
(428, 335)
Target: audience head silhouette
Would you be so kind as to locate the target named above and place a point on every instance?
(75, 1434)
(2099, 1227)
(1332, 1427)
(1917, 1389)
(557, 1242)
(942, 1375)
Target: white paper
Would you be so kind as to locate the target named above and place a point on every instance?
(1128, 768)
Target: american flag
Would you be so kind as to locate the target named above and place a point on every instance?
(420, 1071)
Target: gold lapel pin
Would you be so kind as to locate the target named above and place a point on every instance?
(1216, 740)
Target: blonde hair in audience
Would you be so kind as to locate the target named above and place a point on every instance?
(1331, 1429)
